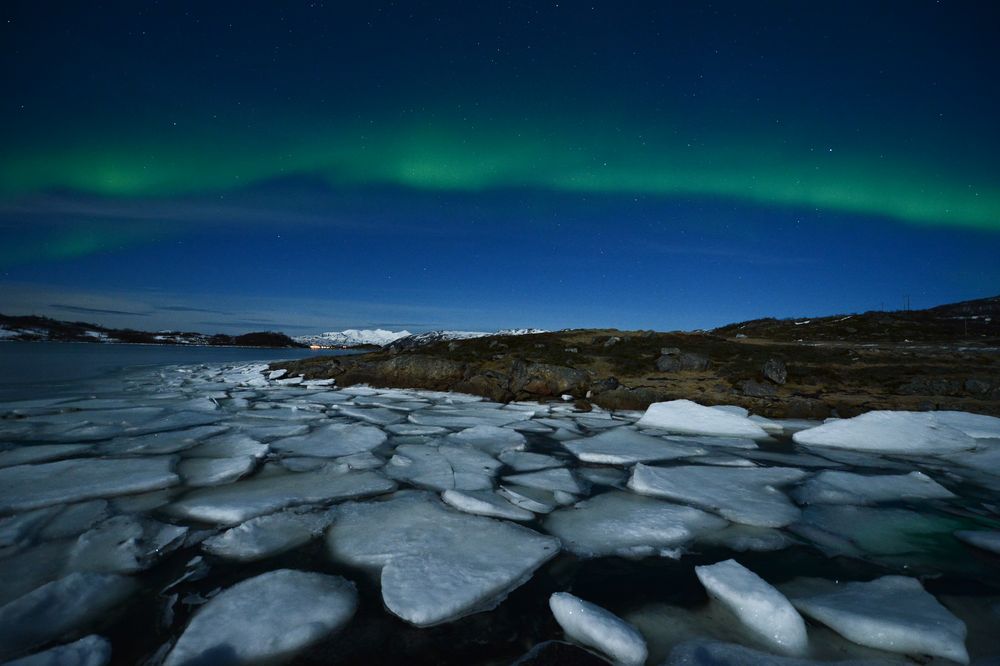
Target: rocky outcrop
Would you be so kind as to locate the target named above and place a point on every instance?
(673, 359)
(774, 370)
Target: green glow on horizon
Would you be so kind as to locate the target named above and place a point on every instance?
(457, 159)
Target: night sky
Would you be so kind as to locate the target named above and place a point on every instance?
(233, 166)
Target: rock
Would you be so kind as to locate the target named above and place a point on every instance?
(612, 341)
(806, 408)
(774, 370)
(623, 398)
(977, 386)
(680, 362)
(754, 389)
(571, 350)
(602, 385)
(546, 379)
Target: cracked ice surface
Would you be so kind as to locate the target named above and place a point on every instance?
(111, 491)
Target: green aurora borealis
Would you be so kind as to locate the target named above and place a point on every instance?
(797, 173)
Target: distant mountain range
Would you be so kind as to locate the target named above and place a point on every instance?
(398, 339)
(42, 329)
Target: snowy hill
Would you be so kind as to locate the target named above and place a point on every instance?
(420, 339)
(353, 337)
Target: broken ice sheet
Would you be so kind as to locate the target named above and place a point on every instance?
(436, 564)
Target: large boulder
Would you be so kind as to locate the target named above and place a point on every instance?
(674, 360)
(774, 370)
(546, 379)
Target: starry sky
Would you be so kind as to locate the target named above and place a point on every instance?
(308, 166)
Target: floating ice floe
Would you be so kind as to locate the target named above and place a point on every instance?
(38, 453)
(375, 415)
(159, 443)
(620, 523)
(832, 487)
(489, 439)
(268, 618)
(892, 613)
(414, 429)
(243, 500)
(124, 544)
(854, 530)
(701, 652)
(214, 471)
(469, 417)
(979, 426)
(762, 609)
(987, 540)
(88, 651)
(436, 564)
(624, 446)
(524, 461)
(58, 608)
(269, 535)
(443, 467)
(485, 503)
(33, 486)
(333, 440)
(889, 432)
(555, 479)
(598, 628)
(535, 500)
(743, 495)
(686, 417)
(744, 538)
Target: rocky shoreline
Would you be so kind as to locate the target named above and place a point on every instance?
(630, 370)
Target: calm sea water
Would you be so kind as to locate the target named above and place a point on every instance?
(31, 370)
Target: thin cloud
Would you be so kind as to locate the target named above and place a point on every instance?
(84, 310)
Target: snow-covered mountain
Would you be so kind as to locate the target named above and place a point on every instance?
(353, 337)
(421, 339)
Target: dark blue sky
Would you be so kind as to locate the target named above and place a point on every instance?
(316, 166)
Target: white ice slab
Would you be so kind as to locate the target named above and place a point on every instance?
(888, 432)
(760, 607)
(832, 487)
(620, 523)
(230, 445)
(88, 651)
(686, 417)
(265, 536)
(625, 446)
(214, 471)
(333, 440)
(58, 608)
(489, 439)
(268, 618)
(159, 443)
(743, 495)
(443, 467)
(24, 455)
(437, 564)
(979, 426)
(598, 628)
(467, 417)
(375, 415)
(485, 503)
(524, 461)
(124, 544)
(556, 479)
(32, 486)
(535, 500)
(243, 500)
(892, 613)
